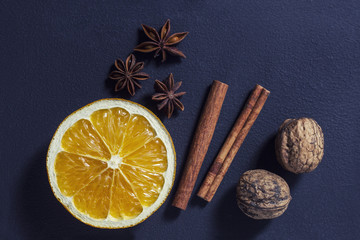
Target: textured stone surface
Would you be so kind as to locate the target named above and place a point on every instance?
(299, 145)
(55, 57)
(261, 194)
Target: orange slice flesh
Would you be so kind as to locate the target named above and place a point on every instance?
(124, 203)
(75, 171)
(147, 185)
(94, 199)
(151, 156)
(138, 132)
(111, 164)
(111, 125)
(83, 139)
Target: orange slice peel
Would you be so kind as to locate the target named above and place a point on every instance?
(111, 163)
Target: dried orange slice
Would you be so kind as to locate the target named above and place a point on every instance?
(111, 163)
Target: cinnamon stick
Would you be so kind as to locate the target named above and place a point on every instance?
(211, 190)
(200, 144)
(239, 124)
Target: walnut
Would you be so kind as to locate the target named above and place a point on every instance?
(261, 194)
(299, 145)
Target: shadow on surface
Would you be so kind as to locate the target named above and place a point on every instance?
(152, 106)
(41, 216)
(197, 201)
(170, 213)
(230, 221)
(267, 160)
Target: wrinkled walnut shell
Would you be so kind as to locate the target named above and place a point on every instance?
(299, 145)
(261, 194)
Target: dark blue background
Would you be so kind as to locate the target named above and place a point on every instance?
(55, 57)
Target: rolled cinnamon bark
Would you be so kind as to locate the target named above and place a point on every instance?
(200, 144)
(239, 124)
(225, 164)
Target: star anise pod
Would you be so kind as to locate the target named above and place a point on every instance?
(167, 95)
(161, 43)
(127, 74)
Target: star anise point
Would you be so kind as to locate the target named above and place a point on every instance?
(166, 94)
(127, 74)
(161, 42)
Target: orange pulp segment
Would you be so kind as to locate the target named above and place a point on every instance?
(111, 164)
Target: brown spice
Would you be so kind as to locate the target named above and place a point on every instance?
(161, 43)
(167, 95)
(299, 145)
(127, 74)
(262, 195)
(233, 143)
(200, 144)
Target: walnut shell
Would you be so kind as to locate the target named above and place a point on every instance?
(299, 145)
(261, 194)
